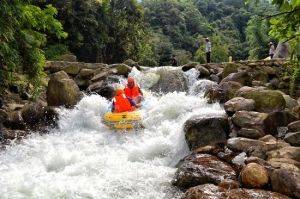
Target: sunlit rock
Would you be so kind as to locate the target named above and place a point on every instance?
(254, 176)
(62, 90)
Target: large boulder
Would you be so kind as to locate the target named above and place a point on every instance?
(282, 50)
(210, 191)
(286, 182)
(254, 176)
(170, 81)
(204, 131)
(201, 169)
(265, 100)
(62, 90)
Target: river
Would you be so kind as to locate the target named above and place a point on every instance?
(83, 159)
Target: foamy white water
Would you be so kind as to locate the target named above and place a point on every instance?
(83, 159)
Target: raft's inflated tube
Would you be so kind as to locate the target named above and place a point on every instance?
(125, 120)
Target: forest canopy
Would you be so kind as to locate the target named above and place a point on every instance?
(147, 31)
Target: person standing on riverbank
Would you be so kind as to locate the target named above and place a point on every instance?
(207, 49)
(271, 50)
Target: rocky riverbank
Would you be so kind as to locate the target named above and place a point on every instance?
(252, 152)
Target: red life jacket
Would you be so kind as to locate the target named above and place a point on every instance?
(132, 92)
(122, 104)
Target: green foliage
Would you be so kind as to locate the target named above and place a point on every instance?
(257, 38)
(24, 28)
(53, 52)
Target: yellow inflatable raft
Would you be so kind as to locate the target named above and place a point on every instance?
(125, 120)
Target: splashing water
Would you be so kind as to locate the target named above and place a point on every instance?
(83, 159)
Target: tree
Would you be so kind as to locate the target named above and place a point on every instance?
(24, 29)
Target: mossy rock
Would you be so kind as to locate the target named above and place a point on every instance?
(230, 68)
(265, 100)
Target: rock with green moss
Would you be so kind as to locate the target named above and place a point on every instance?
(230, 68)
(265, 100)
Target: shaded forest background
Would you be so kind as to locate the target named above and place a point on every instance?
(147, 31)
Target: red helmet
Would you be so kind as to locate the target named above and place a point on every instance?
(130, 79)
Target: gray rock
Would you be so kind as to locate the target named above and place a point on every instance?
(294, 126)
(204, 131)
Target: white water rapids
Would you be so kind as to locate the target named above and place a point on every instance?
(83, 159)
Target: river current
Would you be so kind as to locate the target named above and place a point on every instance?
(83, 159)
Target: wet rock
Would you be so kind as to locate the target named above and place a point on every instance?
(101, 74)
(206, 191)
(214, 95)
(293, 138)
(209, 191)
(243, 144)
(32, 113)
(12, 134)
(254, 176)
(102, 88)
(3, 116)
(252, 194)
(62, 90)
(15, 121)
(201, 169)
(50, 116)
(294, 126)
(239, 104)
(170, 81)
(204, 131)
(189, 66)
(203, 87)
(286, 182)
